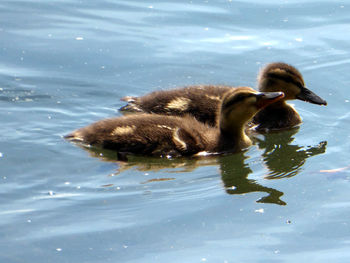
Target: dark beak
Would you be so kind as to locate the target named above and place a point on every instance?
(266, 98)
(308, 96)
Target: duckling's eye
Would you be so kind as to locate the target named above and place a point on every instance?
(285, 77)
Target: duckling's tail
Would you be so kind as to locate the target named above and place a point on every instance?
(74, 137)
(131, 106)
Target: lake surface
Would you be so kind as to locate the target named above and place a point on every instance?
(66, 64)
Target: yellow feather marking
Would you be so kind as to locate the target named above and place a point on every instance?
(123, 130)
(213, 97)
(165, 127)
(180, 103)
(278, 71)
(177, 139)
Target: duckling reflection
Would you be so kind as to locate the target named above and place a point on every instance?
(149, 163)
(233, 169)
(284, 159)
(234, 174)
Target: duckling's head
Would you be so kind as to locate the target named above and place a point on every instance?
(286, 78)
(240, 105)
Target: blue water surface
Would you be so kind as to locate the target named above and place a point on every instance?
(65, 64)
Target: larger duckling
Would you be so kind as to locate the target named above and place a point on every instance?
(159, 135)
(202, 101)
(280, 115)
(199, 101)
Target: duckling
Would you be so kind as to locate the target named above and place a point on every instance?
(202, 101)
(280, 115)
(159, 135)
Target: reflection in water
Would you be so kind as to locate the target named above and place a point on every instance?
(234, 174)
(284, 159)
(281, 158)
(145, 163)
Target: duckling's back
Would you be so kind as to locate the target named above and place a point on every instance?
(199, 101)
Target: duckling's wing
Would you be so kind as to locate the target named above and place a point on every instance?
(186, 142)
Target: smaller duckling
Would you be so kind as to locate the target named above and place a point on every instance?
(202, 101)
(159, 135)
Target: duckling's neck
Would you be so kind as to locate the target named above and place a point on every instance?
(280, 107)
(277, 105)
(233, 137)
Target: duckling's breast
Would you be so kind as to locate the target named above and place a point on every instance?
(276, 117)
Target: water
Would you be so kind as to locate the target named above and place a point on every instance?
(65, 64)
